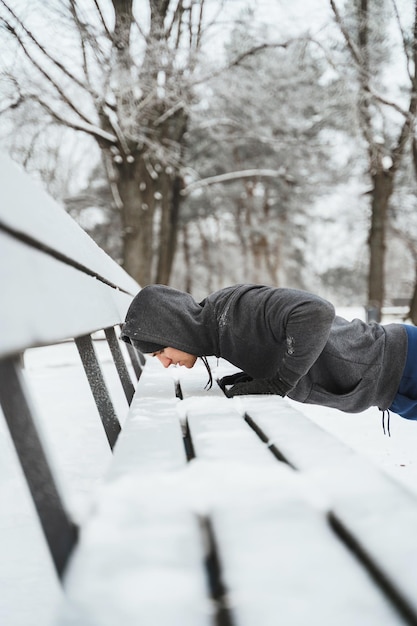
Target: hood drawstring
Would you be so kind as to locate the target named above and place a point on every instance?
(388, 421)
(209, 383)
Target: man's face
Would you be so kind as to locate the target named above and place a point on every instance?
(172, 356)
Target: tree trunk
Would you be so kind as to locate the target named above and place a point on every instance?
(168, 232)
(188, 284)
(205, 251)
(381, 194)
(137, 193)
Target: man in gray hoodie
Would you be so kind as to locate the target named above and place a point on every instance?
(285, 341)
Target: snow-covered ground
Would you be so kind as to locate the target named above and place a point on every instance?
(76, 442)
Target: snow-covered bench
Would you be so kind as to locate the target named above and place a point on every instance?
(214, 511)
(243, 512)
(56, 283)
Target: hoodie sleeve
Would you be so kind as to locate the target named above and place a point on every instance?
(307, 328)
(290, 329)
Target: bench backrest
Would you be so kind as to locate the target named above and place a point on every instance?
(55, 284)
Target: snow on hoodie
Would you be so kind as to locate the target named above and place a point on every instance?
(289, 341)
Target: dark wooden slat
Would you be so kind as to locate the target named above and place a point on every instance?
(59, 530)
(98, 388)
(134, 359)
(45, 301)
(120, 364)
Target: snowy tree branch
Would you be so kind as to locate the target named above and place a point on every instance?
(230, 176)
(89, 129)
(103, 21)
(403, 38)
(364, 75)
(350, 44)
(54, 61)
(112, 119)
(45, 74)
(248, 53)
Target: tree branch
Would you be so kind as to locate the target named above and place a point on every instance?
(90, 129)
(244, 55)
(230, 176)
(356, 54)
(365, 79)
(74, 12)
(103, 21)
(44, 73)
(403, 38)
(54, 61)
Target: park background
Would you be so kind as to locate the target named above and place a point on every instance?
(203, 143)
(209, 142)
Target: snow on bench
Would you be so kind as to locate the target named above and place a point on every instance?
(200, 522)
(375, 515)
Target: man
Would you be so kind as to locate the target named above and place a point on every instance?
(285, 341)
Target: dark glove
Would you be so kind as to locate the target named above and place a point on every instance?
(271, 386)
(233, 379)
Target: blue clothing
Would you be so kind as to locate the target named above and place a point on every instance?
(405, 402)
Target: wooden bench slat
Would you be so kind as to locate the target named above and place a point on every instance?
(29, 210)
(269, 536)
(193, 382)
(306, 445)
(143, 534)
(140, 559)
(378, 515)
(151, 438)
(219, 433)
(56, 301)
(281, 561)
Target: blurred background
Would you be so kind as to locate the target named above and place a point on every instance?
(203, 143)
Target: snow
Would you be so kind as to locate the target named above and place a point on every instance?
(77, 443)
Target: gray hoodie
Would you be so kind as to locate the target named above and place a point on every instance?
(289, 341)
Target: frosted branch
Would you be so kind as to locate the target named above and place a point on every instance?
(113, 121)
(230, 176)
(45, 74)
(90, 129)
(54, 61)
(248, 53)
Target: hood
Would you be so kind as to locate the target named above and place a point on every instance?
(160, 316)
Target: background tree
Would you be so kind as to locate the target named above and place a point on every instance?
(253, 161)
(126, 83)
(386, 122)
(274, 135)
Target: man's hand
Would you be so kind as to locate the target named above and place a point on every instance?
(265, 386)
(233, 379)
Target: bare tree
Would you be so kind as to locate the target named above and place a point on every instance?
(128, 87)
(384, 154)
(128, 82)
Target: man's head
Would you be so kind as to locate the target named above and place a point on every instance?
(160, 316)
(172, 356)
